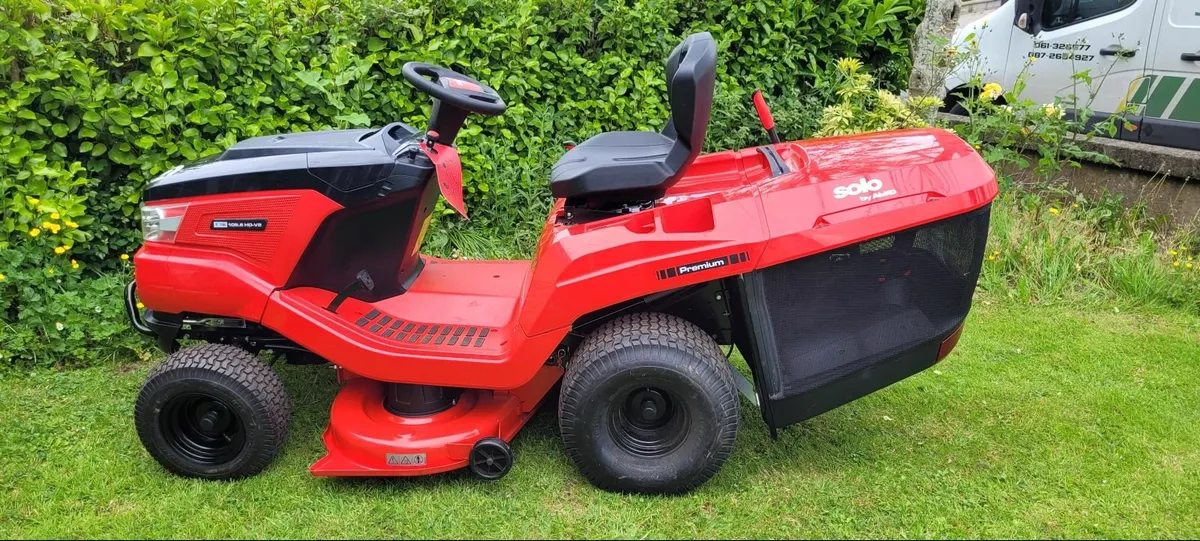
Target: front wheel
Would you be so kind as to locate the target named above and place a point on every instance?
(213, 411)
(648, 405)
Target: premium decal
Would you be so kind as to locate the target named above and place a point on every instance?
(714, 263)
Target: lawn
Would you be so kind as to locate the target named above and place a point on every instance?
(1045, 422)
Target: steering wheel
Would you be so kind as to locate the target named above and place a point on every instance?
(454, 88)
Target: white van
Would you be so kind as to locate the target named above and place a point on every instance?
(1155, 45)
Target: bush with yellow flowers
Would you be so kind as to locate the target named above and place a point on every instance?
(50, 313)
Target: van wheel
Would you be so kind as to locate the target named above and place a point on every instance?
(213, 411)
(648, 405)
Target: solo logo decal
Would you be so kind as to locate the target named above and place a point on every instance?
(240, 224)
(714, 263)
(867, 190)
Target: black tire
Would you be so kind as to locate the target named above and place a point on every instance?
(648, 405)
(491, 458)
(213, 411)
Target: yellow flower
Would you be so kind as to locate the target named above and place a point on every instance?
(1054, 210)
(50, 272)
(35, 232)
(46, 225)
(124, 257)
(1172, 252)
(74, 264)
(54, 216)
(54, 228)
(2, 277)
(991, 258)
(1032, 59)
(1176, 265)
(32, 200)
(991, 91)
(977, 147)
(1053, 111)
(71, 224)
(60, 250)
(1075, 205)
(140, 306)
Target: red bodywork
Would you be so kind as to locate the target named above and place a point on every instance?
(726, 208)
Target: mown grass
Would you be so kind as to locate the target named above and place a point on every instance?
(1046, 422)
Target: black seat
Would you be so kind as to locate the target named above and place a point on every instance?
(628, 166)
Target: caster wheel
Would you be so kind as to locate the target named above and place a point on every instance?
(213, 411)
(491, 458)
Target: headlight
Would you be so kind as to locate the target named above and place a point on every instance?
(161, 222)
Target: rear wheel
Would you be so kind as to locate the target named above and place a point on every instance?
(648, 404)
(213, 411)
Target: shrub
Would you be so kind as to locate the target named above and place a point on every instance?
(864, 108)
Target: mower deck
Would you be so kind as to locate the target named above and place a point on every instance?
(365, 439)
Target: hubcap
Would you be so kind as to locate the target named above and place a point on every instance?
(202, 428)
(648, 423)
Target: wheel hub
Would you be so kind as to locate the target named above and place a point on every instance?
(202, 428)
(648, 424)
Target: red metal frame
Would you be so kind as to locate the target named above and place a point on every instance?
(727, 216)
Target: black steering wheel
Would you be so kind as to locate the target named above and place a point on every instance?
(454, 88)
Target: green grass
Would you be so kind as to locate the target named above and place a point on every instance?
(1046, 422)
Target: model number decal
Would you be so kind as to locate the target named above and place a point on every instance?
(714, 263)
(240, 224)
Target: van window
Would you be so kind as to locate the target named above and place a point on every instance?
(1058, 13)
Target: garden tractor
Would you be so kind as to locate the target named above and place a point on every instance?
(835, 267)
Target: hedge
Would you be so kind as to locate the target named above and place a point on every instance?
(100, 96)
(128, 89)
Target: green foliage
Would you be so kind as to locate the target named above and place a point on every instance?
(105, 95)
(1006, 124)
(101, 96)
(863, 108)
(62, 318)
(1051, 246)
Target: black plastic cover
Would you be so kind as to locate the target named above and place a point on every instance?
(348, 166)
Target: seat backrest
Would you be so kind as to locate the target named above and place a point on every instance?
(691, 76)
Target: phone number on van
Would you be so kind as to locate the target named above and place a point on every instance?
(1065, 56)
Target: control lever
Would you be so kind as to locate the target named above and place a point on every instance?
(361, 281)
(764, 115)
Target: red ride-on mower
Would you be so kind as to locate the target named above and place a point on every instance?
(836, 266)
